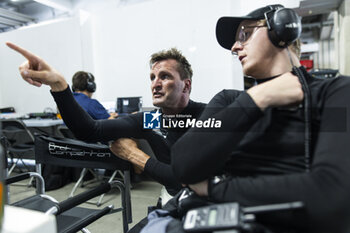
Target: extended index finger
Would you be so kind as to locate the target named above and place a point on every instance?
(30, 56)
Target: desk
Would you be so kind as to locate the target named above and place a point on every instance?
(20, 220)
(47, 126)
(42, 122)
(10, 115)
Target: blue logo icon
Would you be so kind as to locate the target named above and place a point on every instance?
(151, 120)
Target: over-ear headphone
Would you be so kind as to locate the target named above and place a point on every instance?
(90, 84)
(284, 26)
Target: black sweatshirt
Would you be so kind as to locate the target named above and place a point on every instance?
(87, 129)
(263, 154)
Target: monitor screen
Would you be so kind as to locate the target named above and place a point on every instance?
(127, 105)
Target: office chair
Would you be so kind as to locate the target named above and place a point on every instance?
(65, 132)
(69, 217)
(79, 154)
(19, 141)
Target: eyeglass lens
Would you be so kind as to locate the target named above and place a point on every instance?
(244, 34)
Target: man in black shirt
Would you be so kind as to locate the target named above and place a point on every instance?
(260, 147)
(171, 78)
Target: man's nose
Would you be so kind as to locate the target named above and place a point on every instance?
(156, 83)
(236, 47)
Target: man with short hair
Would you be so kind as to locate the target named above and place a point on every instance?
(171, 83)
(83, 86)
(170, 79)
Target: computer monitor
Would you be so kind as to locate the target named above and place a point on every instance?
(127, 105)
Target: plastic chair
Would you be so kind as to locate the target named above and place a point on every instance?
(69, 217)
(76, 153)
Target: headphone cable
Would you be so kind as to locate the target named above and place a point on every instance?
(307, 113)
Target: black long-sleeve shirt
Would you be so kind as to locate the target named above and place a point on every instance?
(263, 154)
(87, 129)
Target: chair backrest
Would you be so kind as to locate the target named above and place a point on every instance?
(16, 132)
(76, 153)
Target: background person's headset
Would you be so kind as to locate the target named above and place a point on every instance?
(90, 84)
(284, 27)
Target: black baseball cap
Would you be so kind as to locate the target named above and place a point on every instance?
(226, 27)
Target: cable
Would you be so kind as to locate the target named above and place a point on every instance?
(307, 113)
(307, 116)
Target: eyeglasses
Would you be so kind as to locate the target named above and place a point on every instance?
(246, 32)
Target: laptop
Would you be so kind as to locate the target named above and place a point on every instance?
(127, 105)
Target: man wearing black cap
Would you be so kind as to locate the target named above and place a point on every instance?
(282, 140)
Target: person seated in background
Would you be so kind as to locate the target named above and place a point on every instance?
(267, 151)
(171, 83)
(83, 86)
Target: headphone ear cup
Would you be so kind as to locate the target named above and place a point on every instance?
(90, 84)
(285, 27)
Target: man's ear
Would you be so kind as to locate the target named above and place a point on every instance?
(187, 87)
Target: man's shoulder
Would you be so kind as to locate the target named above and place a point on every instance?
(340, 83)
(343, 79)
(196, 108)
(329, 84)
(79, 95)
(82, 99)
(196, 104)
(337, 88)
(230, 92)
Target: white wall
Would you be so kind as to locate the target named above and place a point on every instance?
(57, 42)
(246, 6)
(125, 36)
